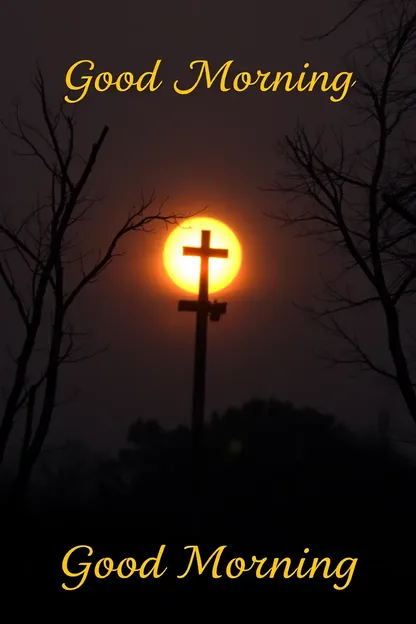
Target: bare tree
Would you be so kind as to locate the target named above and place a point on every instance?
(355, 190)
(44, 245)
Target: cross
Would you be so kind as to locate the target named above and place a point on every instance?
(203, 308)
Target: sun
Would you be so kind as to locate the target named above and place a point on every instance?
(184, 270)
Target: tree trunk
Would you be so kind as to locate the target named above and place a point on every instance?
(404, 380)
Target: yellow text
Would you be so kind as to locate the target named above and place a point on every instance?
(106, 566)
(266, 81)
(262, 568)
(105, 80)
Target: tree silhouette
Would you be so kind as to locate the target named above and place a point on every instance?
(267, 452)
(43, 246)
(355, 190)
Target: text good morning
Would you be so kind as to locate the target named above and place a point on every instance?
(77, 564)
(202, 75)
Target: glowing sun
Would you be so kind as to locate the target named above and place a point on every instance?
(184, 270)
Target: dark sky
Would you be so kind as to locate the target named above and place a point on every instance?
(211, 149)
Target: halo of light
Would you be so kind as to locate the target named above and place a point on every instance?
(184, 270)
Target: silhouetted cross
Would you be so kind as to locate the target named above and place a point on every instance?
(205, 252)
(203, 307)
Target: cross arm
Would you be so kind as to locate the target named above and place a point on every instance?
(215, 309)
(211, 253)
(191, 306)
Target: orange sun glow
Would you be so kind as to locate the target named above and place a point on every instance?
(184, 270)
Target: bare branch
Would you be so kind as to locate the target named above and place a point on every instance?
(8, 280)
(356, 7)
(136, 221)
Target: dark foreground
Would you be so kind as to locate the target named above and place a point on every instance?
(301, 490)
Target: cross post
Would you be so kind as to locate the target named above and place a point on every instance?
(204, 309)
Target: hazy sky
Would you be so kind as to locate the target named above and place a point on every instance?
(209, 148)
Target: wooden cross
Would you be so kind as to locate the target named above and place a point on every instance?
(204, 309)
